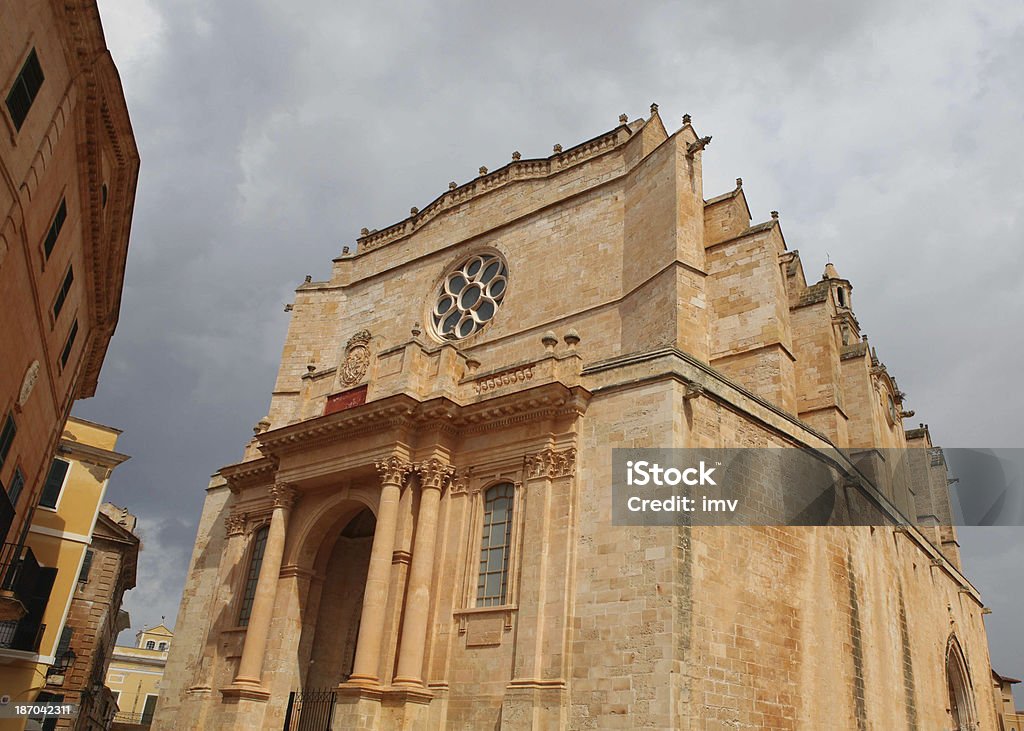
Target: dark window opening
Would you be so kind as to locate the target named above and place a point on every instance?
(58, 223)
(83, 575)
(148, 709)
(17, 483)
(259, 545)
(66, 353)
(103, 195)
(841, 294)
(54, 483)
(7, 437)
(62, 294)
(150, 645)
(25, 89)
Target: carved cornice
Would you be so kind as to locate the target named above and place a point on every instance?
(551, 464)
(403, 412)
(254, 473)
(435, 474)
(283, 495)
(394, 470)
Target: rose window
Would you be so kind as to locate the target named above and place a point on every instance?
(469, 296)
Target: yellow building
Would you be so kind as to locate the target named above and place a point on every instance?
(47, 575)
(135, 674)
(1009, 718)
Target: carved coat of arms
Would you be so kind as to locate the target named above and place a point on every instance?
(357, 358)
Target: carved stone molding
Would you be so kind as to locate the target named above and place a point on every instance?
(460, 482)
(283, 495)
(28, 382)
(357, 359)
(435, 474)
(551, 464)
(394, 470)
(235, 524)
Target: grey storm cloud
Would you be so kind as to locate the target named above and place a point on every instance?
(887, 134)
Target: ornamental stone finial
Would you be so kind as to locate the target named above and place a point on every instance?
(413, 211)
(364, 231)
(452, 185)
(483, 170)
(549, 340)
(572, 338)
(393, 470)
(435, 474)
(775, 215)
(283, 494)
(623, 119)
(739, 183)
(686, 119)
(654, 108)
(517, 155)
(557, 148)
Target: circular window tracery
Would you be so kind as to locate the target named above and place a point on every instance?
(469, 296)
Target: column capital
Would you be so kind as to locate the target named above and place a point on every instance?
(394, 470)
(235, 524)
(549, 463)
(283, 494)
(435, 474)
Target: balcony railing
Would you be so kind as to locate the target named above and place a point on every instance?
(21, 635)
(133, 719)
(18, 566)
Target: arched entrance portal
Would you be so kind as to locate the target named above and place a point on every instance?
(961, 705)
(343, 563)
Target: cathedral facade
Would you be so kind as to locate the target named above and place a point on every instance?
(420, 530)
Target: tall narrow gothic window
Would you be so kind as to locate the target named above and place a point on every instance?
(492, 584)
(259, 545)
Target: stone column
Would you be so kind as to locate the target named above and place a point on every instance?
(393, 472)
(250, 669)
(434, 476)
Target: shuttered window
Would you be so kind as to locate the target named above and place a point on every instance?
(62, 293)
(17, 483)
(7, 437)
(69, 344)
(58, 223)
(24, 90)
(54, 483)
(83, 575)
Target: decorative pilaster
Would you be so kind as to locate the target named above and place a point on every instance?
(230, 556)
(248, 681)
(435, 475)
(393, 473)
(539, 666)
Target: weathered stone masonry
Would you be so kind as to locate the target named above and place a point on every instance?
(434, 510)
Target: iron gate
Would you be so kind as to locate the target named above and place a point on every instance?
(309, 710)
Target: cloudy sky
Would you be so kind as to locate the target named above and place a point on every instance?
(889, 135)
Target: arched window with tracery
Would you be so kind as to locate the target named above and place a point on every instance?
(961, 705)
(495, 546)
(252, 576)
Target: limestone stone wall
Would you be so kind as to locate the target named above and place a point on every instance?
(637, 315)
